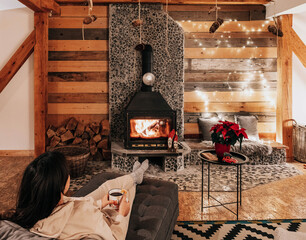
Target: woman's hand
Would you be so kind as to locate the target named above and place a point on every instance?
(106, 201)
(124, 206)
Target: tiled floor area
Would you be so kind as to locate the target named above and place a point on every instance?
(283, 199)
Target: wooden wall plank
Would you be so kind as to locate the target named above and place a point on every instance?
(225, 35)
(229, 86)
(229, 76)
(78, 66)
(229, 42)
(206, 16)
(228, 116)
(268, 65)
(78, 45)
(78, 76)
(193, 128)
(78, 108)
(16, 153)
(78, 97)
(82, 11)
(62, 119)
(203, 26)
(231, 2)
(257, 96)
(40, 81)
(78, 56)
(231, 52)
(229, 107)
(200, 8)
(78, 87)
(76, 22)
(76, 34)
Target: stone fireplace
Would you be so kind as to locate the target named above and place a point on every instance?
(143, 119)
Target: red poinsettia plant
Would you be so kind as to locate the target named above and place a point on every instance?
(227, 133)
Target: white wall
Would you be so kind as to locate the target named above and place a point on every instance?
(10, 4)
(299, 74)
(17, 99)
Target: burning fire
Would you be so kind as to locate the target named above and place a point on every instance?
(149, 128)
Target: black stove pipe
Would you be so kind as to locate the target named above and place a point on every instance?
(147, 66)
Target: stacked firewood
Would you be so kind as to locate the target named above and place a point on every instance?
(94, 135)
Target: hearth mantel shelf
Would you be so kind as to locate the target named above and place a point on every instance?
(118, 148)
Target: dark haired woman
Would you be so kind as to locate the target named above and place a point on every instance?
(43, 207)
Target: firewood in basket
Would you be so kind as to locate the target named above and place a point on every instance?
(103, 144)
(77, 140)
(105, 129)
(66, 136)
(89, 131)
(210, 156)
(85, 135)
(50, 133)
(79, 130)
(72, 124)
(97, 138)
(61, 130)
(55, 141)
(95, 127)
(106, 154)
(92, 147)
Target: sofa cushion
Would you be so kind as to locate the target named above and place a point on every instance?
(205, 125)
(12, 231)
(250, 125)
(154, 211)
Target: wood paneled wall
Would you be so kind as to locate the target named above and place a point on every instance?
(78, 69)
(232, 71)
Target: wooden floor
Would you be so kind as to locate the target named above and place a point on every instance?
(283, 199)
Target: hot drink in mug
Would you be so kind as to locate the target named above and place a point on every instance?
(116, 194)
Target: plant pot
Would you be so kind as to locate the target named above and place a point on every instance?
(221, 149)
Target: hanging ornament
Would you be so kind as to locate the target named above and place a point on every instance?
(89, 19)
(139, 22)
(218, 21)
(216, 25)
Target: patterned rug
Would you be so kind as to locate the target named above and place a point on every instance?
(241, 230)
(223, 178)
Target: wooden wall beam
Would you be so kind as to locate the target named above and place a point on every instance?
(298, 47)
(284, 128)
(40, 81)
(240, 2)
(42, 5)
(17, 60)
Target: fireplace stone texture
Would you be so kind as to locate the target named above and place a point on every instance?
(125, 63)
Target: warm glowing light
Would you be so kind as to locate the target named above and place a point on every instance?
(149, 128)
(189, 21)
(239, 24)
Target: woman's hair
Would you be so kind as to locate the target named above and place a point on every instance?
(40, 191)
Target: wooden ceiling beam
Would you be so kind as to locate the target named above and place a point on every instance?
(17, 60)
(42, 5)
(240, 2)
(298, 47)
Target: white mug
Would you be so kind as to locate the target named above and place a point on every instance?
(116, 194)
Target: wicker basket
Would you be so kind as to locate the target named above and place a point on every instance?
(77, 158)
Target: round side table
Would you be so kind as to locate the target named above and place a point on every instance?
(242, 159)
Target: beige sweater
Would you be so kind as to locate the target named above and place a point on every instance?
(79, 218)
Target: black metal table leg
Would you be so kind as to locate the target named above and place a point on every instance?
(208, 176)
(240, 184)
(237, 189)
(202, 189)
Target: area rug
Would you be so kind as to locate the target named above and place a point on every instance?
(240, 230)
(223, 178)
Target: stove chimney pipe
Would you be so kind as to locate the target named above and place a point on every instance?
(147, 62)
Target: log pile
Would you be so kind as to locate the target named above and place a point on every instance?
(94, 135)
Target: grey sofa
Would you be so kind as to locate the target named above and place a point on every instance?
(153, 216)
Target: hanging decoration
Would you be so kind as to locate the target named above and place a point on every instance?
(274, 29)
(218, 21)
(89, 19)
(138, 23)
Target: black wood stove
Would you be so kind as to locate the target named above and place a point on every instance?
(149, 118)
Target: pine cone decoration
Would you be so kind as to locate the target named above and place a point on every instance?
(275, 31)
(216, 25)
